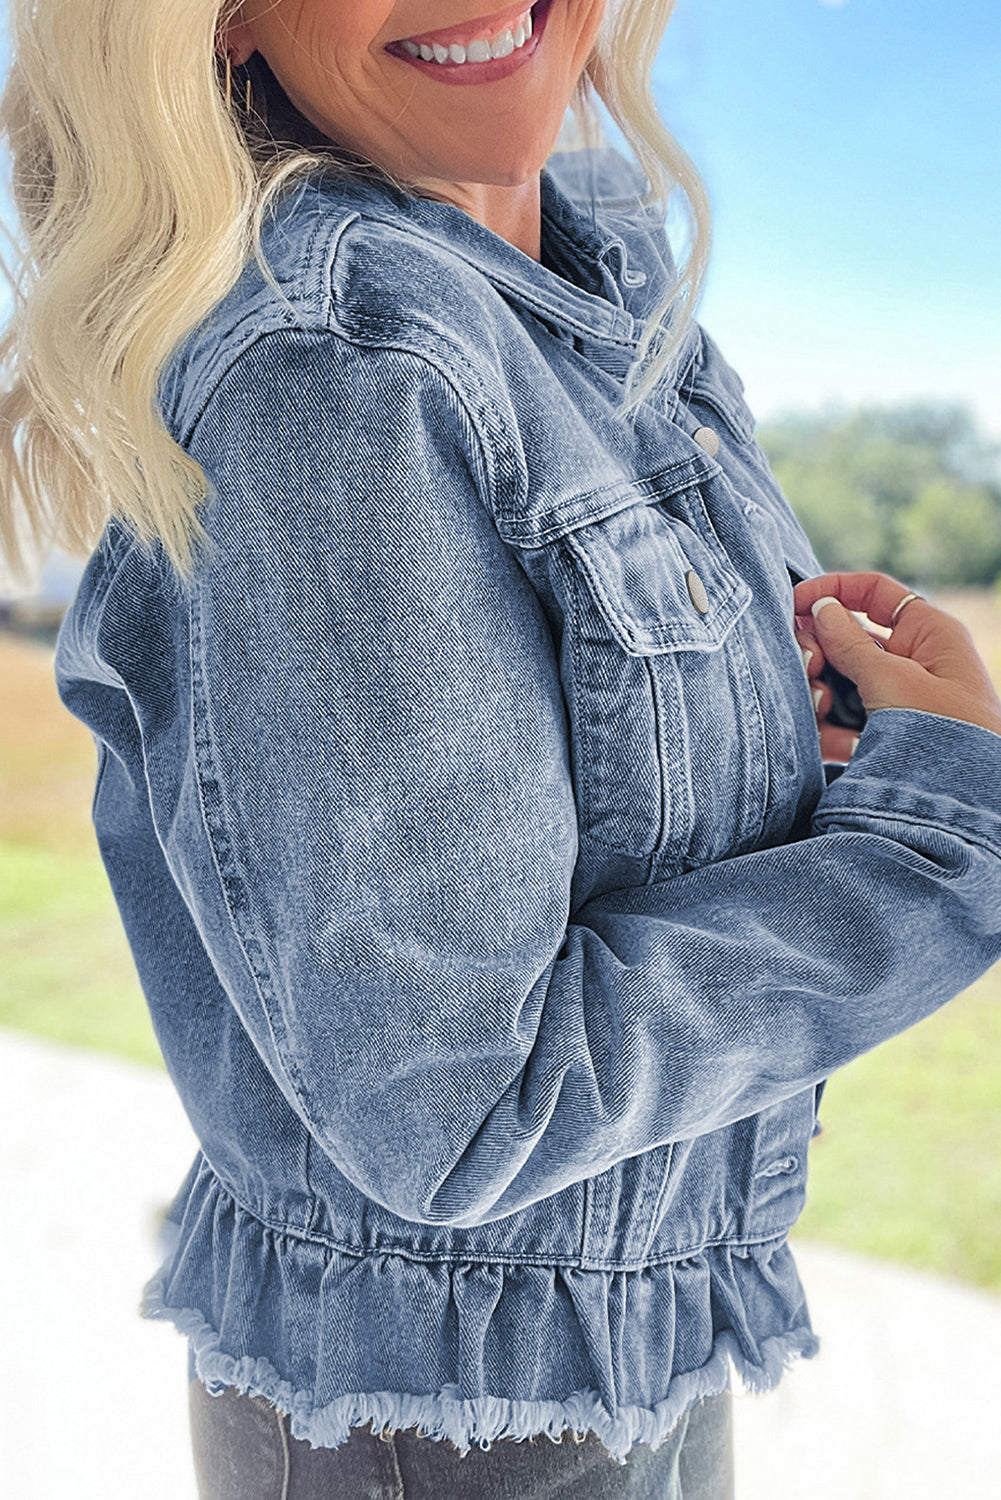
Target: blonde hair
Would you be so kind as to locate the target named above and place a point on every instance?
(140, 197)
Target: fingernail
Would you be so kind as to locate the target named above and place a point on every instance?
(854, 746)
(816, 695)
(807, 658)
(818, 604)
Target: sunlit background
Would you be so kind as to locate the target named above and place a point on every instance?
(852, 153)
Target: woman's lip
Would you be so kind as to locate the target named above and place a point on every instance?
(486, 72)
(469, 31)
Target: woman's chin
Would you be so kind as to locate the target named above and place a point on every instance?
(509, 165)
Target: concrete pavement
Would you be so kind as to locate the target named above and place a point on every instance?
(902, 1404)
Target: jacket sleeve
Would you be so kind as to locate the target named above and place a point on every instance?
(381, 769)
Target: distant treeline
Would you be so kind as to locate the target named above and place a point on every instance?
(910, 490)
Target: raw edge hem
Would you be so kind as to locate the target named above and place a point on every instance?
(482, 1420)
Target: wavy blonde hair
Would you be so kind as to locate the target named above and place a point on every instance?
(140, 197)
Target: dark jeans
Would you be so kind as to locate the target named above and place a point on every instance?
(243, 1450)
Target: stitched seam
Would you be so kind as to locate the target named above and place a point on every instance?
(690, 471)
(277, 321)
(655, 1213)
(286, 1456)
(271, 325)
(579, 728)
(202, 746)
(397, 1473)
(324, 316)
(892, 815)
(609, 609)
(514, 1259)
(656, 700)
(472, 415)
(583, 735)
(645, 1193)
(706, 530)
(694, 468)
(622, 495)
(518, 292)
(658, 637)
(681, 816)
(754, 834)
(479, 417)
(739, 430)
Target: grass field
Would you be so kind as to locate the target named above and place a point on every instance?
(908, 1166)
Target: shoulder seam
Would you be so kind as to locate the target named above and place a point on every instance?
(478, 415)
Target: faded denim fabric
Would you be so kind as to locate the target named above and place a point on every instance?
(497, 920)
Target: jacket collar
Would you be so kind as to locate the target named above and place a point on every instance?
(606, 261)
(592, 232)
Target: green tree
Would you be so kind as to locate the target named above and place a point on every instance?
(951, 535)
(840, 519)
(911, 490)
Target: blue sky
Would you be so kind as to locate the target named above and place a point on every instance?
(852, 154)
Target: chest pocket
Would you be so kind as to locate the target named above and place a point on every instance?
(668, 747)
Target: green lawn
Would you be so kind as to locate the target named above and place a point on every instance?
(908, 1166)
(67, 972)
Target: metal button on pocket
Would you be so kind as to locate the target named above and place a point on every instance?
(697, 591)
(707, 438)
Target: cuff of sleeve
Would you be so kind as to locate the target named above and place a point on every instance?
(924, 767)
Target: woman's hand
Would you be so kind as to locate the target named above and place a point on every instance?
(926, 659)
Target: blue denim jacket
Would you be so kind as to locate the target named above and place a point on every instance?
(468, 822)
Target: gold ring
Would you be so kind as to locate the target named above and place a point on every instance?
(905, 600)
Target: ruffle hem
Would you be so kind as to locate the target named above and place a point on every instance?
(491, 1349)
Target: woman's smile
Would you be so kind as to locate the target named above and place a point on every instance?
(482, 51)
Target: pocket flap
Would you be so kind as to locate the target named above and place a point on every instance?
(637, 564)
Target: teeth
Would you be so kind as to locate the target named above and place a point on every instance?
(478, 51)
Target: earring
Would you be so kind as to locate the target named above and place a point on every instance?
(248, 98)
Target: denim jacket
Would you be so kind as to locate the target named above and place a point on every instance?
(468, 822)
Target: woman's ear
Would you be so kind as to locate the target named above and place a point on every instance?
(237, 39)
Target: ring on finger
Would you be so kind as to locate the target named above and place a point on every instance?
(905, 600)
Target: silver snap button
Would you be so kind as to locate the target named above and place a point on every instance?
(697, 591)
(707, 438)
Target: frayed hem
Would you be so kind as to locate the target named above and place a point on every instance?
(778, 1354)
(479, 1420)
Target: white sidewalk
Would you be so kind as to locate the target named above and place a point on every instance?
(904, 1402)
